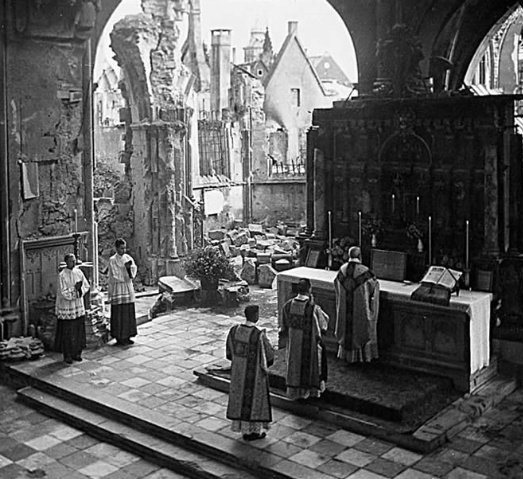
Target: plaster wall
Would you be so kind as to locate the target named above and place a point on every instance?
(273, 202)
(293, 72)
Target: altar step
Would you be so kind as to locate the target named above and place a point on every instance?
(438, 429)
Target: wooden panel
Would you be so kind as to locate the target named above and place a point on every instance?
(388, 264)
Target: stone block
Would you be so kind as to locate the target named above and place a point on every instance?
(251, 242)
(255, 228)
(225, 248)
(248, 271)
(216, 235)
(241, 239)
(266, 275)
(263, 258)
(263, 244)
(235, 293)
(282, 265)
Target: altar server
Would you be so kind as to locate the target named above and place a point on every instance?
(251, 355)
(122, 269)
(70, 337)
(303, 323)
(357, 305)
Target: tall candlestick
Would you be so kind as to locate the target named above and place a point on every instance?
(417, 205)
(359, 228)
(329, 257)
(467, 239)
(393, 203)
(430, 240)
(75, 220)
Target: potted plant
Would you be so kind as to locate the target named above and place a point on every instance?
(372, 227)
(208, 265)
(339, 253)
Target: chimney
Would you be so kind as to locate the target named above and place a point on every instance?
(293, 27)
(220, 70)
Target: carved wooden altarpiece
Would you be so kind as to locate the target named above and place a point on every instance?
(399, 162)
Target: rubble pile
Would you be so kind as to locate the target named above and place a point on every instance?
(17, 349)
(264, 252)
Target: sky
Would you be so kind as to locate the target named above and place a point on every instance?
(320, 28)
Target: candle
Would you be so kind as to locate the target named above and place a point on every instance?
(75, 220)
(359, 228)
(329, 214)
(393, 202)
(467, 239)
(430, 240)
(417, 205)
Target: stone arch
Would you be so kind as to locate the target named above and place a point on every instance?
(147, 48)
(461, 35)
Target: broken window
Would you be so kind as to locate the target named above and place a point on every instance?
(295, 97)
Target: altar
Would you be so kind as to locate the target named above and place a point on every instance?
(450, 341)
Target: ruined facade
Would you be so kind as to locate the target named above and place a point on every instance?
(46, 85)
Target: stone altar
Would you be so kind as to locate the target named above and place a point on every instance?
(448, 341)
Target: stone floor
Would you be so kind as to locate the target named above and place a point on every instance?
(35, 446)
(157, 373)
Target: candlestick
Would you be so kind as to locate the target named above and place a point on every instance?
(430, 240)
(329, 258)
(467, 239)
(75, 220)
(417, 205)
(393, 203)
(359, 228)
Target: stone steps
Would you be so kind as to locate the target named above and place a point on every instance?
(426, 438)
(151, 448)
(182, 447)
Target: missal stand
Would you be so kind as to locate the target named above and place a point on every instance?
(437, 285)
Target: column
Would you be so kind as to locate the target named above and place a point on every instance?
(491, 200)
(320, 216)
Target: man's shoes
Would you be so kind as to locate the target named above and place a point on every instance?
(254, 436)
(77, 358)
(68, 360)
(129, 341)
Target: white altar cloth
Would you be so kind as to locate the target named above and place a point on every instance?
(475, 303)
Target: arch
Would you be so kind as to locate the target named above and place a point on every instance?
(463, 32)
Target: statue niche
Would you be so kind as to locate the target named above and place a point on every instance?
(405, 160)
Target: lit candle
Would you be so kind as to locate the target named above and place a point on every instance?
(417, 205)
(75, 220)
(430, 240)
(467, 239)
(359, 228)
(393, 202)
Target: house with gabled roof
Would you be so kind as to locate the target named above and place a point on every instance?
(293, 90)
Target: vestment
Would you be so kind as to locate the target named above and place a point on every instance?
(302, 324)
(70, 311)
(251, 355)
(121, 297)
(357, 306)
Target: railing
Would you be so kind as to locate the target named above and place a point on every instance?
(280, 169)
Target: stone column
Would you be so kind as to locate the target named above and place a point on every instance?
(491, 215)
(319, 195)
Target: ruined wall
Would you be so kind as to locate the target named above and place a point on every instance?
(44, 144)
(148, 49)
(285, 201)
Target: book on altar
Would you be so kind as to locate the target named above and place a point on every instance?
(437, 285)
(442, 276)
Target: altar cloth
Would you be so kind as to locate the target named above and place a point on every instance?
(475, 303)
